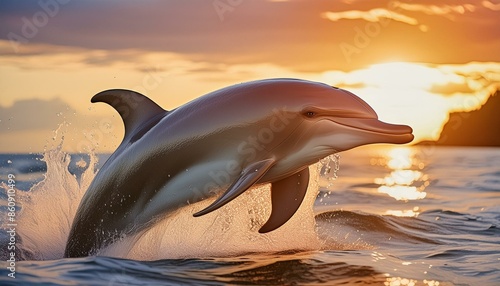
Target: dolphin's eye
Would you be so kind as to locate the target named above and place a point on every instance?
(310, 114)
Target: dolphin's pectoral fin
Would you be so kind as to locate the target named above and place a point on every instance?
(249, 176)
(135, 109)
(286, 197)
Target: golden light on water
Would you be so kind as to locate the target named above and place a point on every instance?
(402, 193)
(406, 180)
(400, 158)
(401, 281)
(391, 280)
(404, 213)
(399, 185)
(400, 177)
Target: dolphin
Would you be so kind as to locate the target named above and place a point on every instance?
(219, 145)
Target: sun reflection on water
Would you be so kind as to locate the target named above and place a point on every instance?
(400, 158)
(406, 180)
(393, 280)
(404, 213)
(400, 281)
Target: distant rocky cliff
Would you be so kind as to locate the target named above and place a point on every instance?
(476, 128)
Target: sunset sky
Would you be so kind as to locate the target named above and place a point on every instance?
(413, 61)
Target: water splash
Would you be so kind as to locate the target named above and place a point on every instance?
(49, 207)
(330, 165)
(328, 168)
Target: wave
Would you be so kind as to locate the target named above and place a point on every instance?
(260, 269)
(357, 230)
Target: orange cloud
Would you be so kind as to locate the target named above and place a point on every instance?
(373, 15)
(491, 6)
(434, 9)
(286, 30)
(396, 9)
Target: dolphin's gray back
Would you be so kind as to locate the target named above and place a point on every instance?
(155, 141)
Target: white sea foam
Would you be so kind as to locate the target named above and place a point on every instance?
(50, 205)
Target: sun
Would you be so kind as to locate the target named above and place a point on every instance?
(401, 75)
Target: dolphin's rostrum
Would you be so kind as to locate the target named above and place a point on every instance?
(266, 131)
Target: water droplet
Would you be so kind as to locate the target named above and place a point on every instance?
(81, 163)
(329, 167)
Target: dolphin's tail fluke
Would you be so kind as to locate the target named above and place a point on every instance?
(135, 109)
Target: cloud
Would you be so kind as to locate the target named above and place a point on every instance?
(33, 124)
(491, 6)
(451, 88)
(43, 56)
(373, 15)
(435, 9)
(34, 114)
(292, 34)
(444, 80)
(396, 8)
(395, 11)
(470, 78)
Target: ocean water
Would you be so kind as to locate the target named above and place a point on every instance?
(383, 216)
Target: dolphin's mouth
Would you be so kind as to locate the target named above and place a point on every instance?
(392, 133)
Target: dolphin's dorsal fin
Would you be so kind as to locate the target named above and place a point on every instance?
(134, 108)
(249, 176)
(286, 197)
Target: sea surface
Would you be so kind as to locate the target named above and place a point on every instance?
(384, 216)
